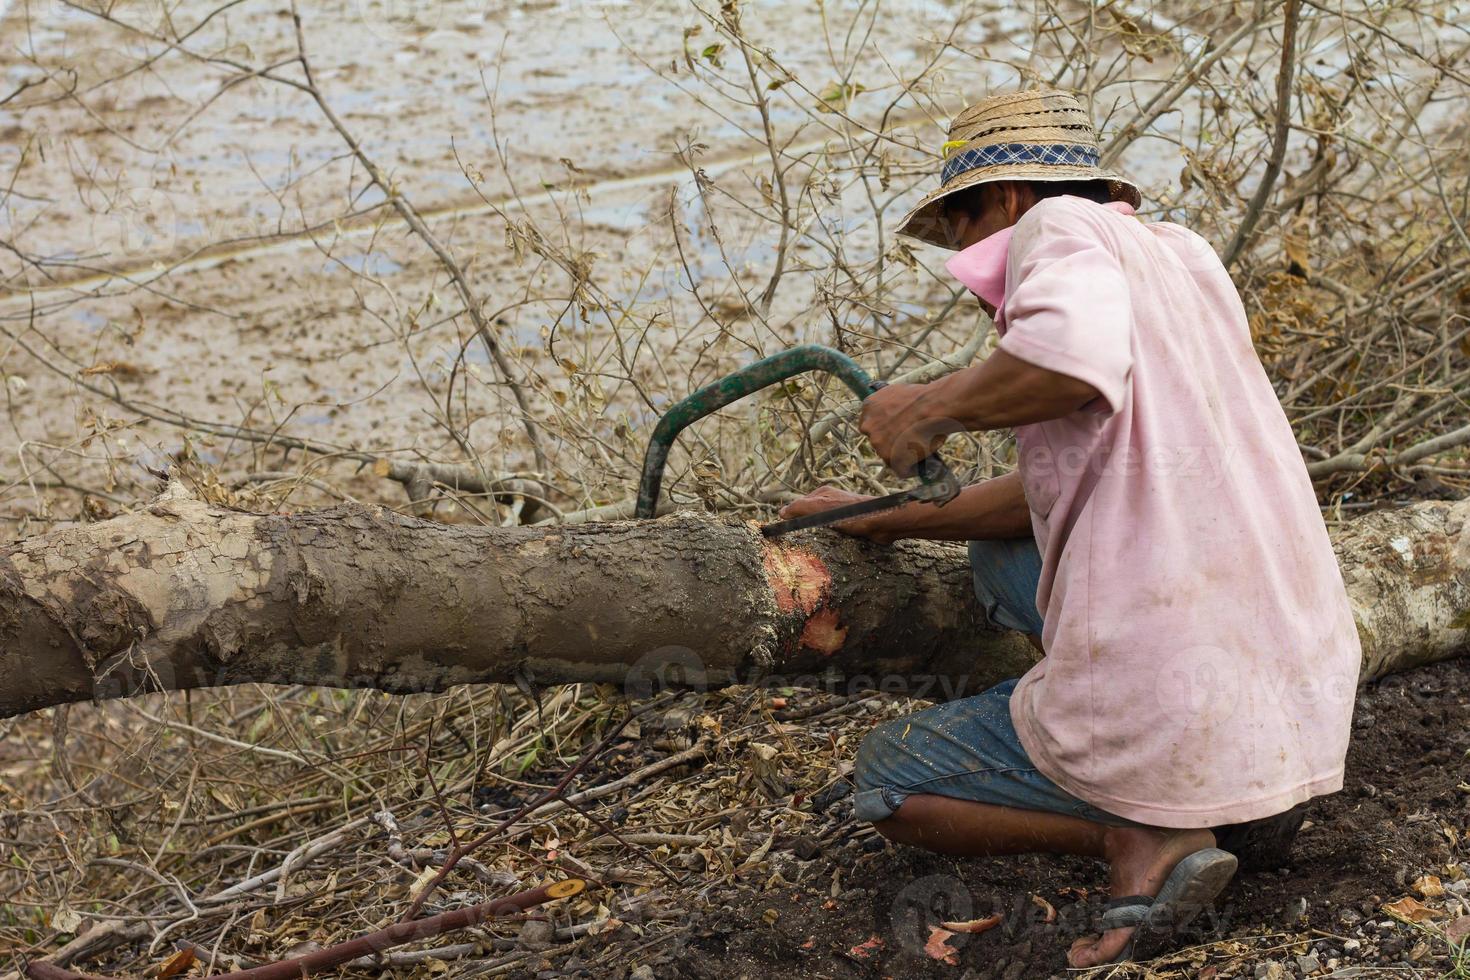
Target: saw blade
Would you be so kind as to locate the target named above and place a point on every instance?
(838, 514)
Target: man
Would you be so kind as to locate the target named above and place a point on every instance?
(1160, 541)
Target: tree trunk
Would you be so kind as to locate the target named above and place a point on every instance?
(182, 594)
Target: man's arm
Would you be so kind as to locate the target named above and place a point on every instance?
(993, 509)
(908, 422)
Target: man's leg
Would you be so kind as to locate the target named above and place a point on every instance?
(1007, 572)
(955, 779)
(1139, 858)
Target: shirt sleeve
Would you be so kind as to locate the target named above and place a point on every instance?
(1067, 307)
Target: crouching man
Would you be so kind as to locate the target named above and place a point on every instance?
(1159, 541)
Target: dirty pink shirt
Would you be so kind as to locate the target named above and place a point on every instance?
(1201, 656)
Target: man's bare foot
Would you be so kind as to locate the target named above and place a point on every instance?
(1140, 860)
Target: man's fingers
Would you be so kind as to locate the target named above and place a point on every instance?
(796, 508)
(911, 449)
(820, 499)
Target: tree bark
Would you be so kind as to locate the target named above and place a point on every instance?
(182, 594)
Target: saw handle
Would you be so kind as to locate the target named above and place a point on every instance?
(934, 475)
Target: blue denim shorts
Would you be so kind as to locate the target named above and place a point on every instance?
(968, 748)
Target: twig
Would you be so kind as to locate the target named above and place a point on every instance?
(459, 851)
(333, 956)
(303, 854)
(474, 306)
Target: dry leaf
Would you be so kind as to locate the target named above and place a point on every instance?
(124, 369)
(1458, 932)
(865, 950)
(605, 927)
(259, 927)
(1411, 910)
(938, 946)
(1297, 245)
(764, 752)
(176, 964)
(1429, 886)
(973, 926)
(422, 879)
(65, 919)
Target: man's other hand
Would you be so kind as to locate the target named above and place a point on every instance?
(825, 498)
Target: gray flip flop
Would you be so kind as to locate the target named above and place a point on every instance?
(1190, 888)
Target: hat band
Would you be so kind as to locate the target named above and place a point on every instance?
(1048, 155)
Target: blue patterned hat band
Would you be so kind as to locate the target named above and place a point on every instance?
(1052, 155)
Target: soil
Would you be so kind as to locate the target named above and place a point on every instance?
(1404, 812)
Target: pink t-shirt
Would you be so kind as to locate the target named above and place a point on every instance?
(1201, 656)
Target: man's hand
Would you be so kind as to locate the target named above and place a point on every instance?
(825, 498)
(896, 421)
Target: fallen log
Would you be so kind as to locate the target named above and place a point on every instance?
(182, 594)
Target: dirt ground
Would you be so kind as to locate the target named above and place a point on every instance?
(727, 867)
(1403, 813)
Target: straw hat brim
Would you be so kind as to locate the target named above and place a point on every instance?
(924, 220)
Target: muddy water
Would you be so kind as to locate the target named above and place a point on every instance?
(199, 238)
(148, 167)
(208, 244)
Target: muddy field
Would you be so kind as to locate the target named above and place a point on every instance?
(195, 250)
(217, 251)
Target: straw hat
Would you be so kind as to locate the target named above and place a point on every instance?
(1037, 135)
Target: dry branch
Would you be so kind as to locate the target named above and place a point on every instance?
(374, 942)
